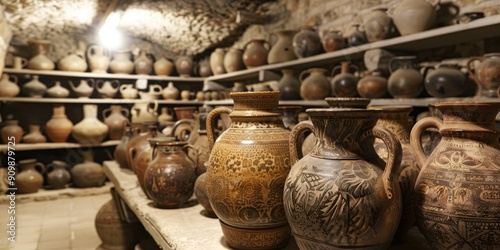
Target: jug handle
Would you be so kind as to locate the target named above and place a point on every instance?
(338, 67)
(211, 124)
(71, 84)
(91, 81)
(196, 155)
(156, 89)
(296, 145)
(123, 87)
(469, 68)
(91, 50)
(115, 83)
(108, 110)
(41, 167)
(125, 112)
(155, 107)
(302, 74)
(391, 170)
(416, 138)
(131, 154)
(14, 79)
(99, 84)
(178, 123)
(391, 64)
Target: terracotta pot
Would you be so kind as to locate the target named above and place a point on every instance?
(341, 192)
(143, 112)
(115, 117)
(121, 62)
(307, 42)
(345, 83)
(184, 66)
(217, 61)
(251, 159)
(11, 132)
(200, 191)
(170, 92)
(90, 130)
(233, 60)
(487, 73)
(412, 16)
(58, 91)
(88, 173)
(84, 89)
(289, 85)
(98, 59)
(34, 135)
(39, 50)
(356, 37)
(282, 49)
(113, 231)
(163, 67)
(459, 180)
(120, 153)
(405, 81)
(29, 179)
(8, 86)
(57, 175)
(332, 40)
(143, 63)
(255, 53)
(75, 62)
(171, 164)
(377, 25)
(372, 85)
(139, 143)
(59, 127)
(314, 84)
(35, 88)
(444, 81)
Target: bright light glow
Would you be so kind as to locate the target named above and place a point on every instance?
(109, 36)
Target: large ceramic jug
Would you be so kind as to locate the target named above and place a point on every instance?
(59, 127)
(74, 61)
(378, 25)
(314, 84)
(405, 81)
(116, 117)
(143, 112)
(88, 173)
(457, 191)
(233, 60)
(39, 50)
(98, 59)
(486, 74)
(413, 16)
(289, 85)
(163, 67)
(342, 195)
(282, 49)
(90, 130)
(332, 40)
(85, 88)
(29, 179)
(184, 66)
(139, 144)
(255, 53)
(8, 86)
(246, 171)
(57, 175)
(122, 62)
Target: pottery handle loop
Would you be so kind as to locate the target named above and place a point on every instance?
(40, 166)
(155, 107)
(71, 84)
(92, 81)
(391, 170)
(115, 83)
(91, 51)
(153, 152)
(156, 89)
(303, 73)
(469, 68)
(268, 44)
(196, 155)
(99, 84)
(108, 111)
(211, 124)
(131, 154)
(296, 145)
(13, 78)
(392, 63)
(338, 67)
(177, 125)
(416, 138)
(125, 112)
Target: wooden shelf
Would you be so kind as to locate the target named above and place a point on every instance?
(92, 100)
(55, 145)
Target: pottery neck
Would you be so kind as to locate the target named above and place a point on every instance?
(59, 111)
(258, 106)
(396, 120)
(34, 128)
(90, 111)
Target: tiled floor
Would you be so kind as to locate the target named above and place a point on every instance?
(62, 224)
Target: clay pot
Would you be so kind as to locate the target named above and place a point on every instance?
(98, 59)
(75, 62)
(170, 92)
(332, 40)
(57, 175)
(113, 231)
(8, 86)
(255, 53)
(34, 135)
(184, 66)
(405, 81)
(338, 194)
(314, 84)
(282, 49)
(412, 16)
(120, 153)
(11, 132)
(57, 91)
(289, 85)
(251, 159)
(444, 81)
(143, 63)
(154, 93)
(107, 89)
(487, 73)
(143, 112)
(170, 164)
(307, 42)
(34, 88)
(166, 115)
(356, 37)
(446, 14)
(217, 61)
(139, 143)
(372, 85)
(128, 91)
(163, 67)
(88, 173)
(39, 50)
(29, 179)
(459, 180)
(345, 83)
(115, 117)
(204, 69)
(377, 25)
(121, 62)
(200, 191)
(59, 127)
(90, 130)
(233, 60)
(84, 89)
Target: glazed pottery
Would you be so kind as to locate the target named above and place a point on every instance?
(8, 86)
(444, 81)
(372, 85)
(282, 49)
(405, 81)
(128, 91)
(75, 62)
(289, 85)
(143, 63)
(121, 62)
(34, 88)
(88, 173)
(29, 179)
(154, 93)
(246, 171)
(233, 60)
(314, 84)
(57, 91)
(345, 83)
(184, 66)
(59, 127)
(200, 191)
(486, 74)
(11, 132)
(307, 42)
(34, 135)
(171, 174)
(57, 175)
(143, 112)
(356, 37)
(139, 143)
(90, 130)
(163, 67)
(332, 40)
(457, 189)
(115, 117)
(120, 153)
(446, 14)
(98, 59)
(39, 50)
(377, 25)
(84, 89)
(255, 53)
(114, 232)
(217, 61)
(107, 89)
(170, 92)
(413, 16)
(341, 193)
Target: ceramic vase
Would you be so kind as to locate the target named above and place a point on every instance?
(217, 61)
(289, 85)
(444, 81)
(282, 49)
(163, 67)
(255, 53)
(8, 86)
(170, 92)
(372, 85)
(11, 132)
(113, 231)
(345, 83)
(233, 60)
(58, 91)
(487, 73)
(405, 81)
(121, 62)
(377, 25)
(412, 16)
(332, 40)
(139, 143)
(307, 42)
(184, 66)
(29, 179)
(98, 59)
(59, 127)
(143, 112)
(34, 88)
(120, 153)
(314, 84)
(88, 173)
(39, 59)
(115, 117)
(200, 191)
(75, 62)
(34, 135)
(57, 175)
(143, 63)
(90, 130)
(84, 89)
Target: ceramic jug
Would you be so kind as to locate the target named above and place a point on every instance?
(377, 25)
(217, 61)
(314, 84)
(57, 175)
(74, 61)
(405, 81)
(34, 88)
(128, 91)
(282, 49)
(120, 153)
(58, 91)
(413, 16)
(88, 173)
(357, 36)
(255, 53)
(200, 191)
(486, 74)
(11, 132)
(163, 67)
(29, 179)
(332, 40)
(372, 85)
(34, 135)
(107, 89)
(39, 50)
(143, 112)
(59, 127)
(444, 80)
(84, 89)
(166, 115)
(90, 130)
(139, 143)
(154, 93)
(307, 42)
(289, 85)
(8, 86)
(121, 62)
(98, 59)
(115, 117)
(457, 188)
(246, 170)
(339, 194)
(345, 83)
(143, 63)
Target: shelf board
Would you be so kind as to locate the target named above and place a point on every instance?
(55, 145)
(92, 100)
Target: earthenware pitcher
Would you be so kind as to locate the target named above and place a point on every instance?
(30, 178)
(57, 174)
(98, 59)
(90, 130)
(246, 171)
(75, 61)
(314, 84)
(88, 173)
(342, 195)
(122, 62)
(143, 112)
(8, 86)
(486, 74)
(255, 53)
(116, 117)
(282, 49)
(39, 50)
(457, 190)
